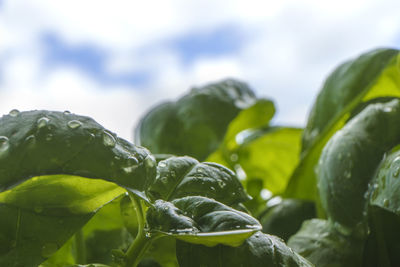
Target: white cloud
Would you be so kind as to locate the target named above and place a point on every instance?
(291, 47)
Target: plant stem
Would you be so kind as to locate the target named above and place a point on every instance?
(80, 247)
(141, 242)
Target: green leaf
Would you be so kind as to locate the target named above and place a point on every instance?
(372, 75)
(38, 216)
(195, 124)
(258, 250)
(38, 143)
(321, 244)
(201, 220)
(285, 218)
(350, 159)
(184, 176)
(270, 155)
(385, 187)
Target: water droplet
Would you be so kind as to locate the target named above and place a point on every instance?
(38, 209)
(49, 137)
(212, 188)
(201, 170)
(42, 122)
(67, 112)
(162, 164)
(150, 161)
(387, 109)
(108, 139)
(30, 140)
(4, 145)
(257, 235)
(148, 234)
(375, 194)
(74, 124)
(396, 172)
(221, 184)
(386, 202)
(49, 249)
(234, 157)
(173, 174)
(14, 113)
(164, 179)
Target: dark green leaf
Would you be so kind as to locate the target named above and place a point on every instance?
(43, 142)
(285, 218)
(184, 176)
(385, 187)
(195, 124)
(258, 250)
(321, 244)
(350, 159)
(372, 75)
(201, 220)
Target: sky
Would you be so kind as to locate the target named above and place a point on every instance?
(114, 60)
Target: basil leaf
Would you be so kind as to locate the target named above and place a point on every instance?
(320, 243)
(43, 142)
(258, 250)
(201, 220)
(37, 217)
(285, 218)
(195, 124)
(372, 75)
(350, 159)
(184, 176)
(385, 187)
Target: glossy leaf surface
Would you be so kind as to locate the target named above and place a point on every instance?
(184, 176)
(37, 143)
(258, 250)
(321, 244)
(372, 75)
(351, 157)
(201, 220)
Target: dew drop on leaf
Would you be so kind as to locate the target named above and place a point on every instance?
(67, 112)
(4, 145)
(234, 157)
(164, 179)
(42, 122)
(14, 113)
(30, 140)
(108, 139)
(74, 124)
(49, 249)
(162, 164)
(49, 137)
(38, 209)
(148, 234)
(150, 161)
(396, 172)
(386, 202)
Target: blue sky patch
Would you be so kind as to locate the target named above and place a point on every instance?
(223, 41)
(89, 59)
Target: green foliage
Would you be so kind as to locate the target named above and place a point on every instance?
(74, 194)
